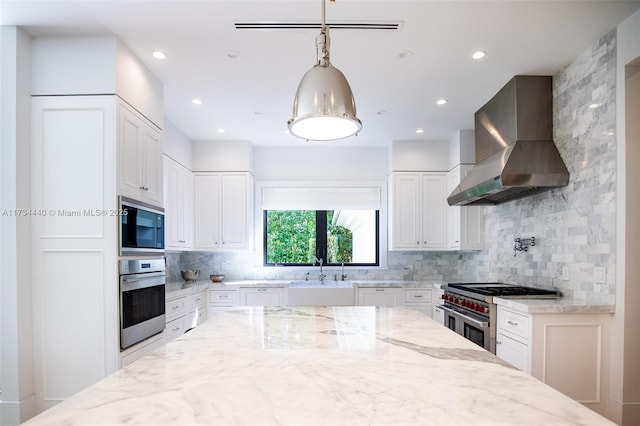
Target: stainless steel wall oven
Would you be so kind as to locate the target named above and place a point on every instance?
(142, 299)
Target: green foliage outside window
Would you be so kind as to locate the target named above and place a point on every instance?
(291, 238)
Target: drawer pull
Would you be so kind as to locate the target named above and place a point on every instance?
(262, 289)
(198, 299)
(512, 323)
(223, 296)
(175, 329)
(379, 289)
(174, 307)
(417, 296)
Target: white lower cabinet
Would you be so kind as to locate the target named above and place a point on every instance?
(175, 328)
(263, 296)
(184, 312)
(196, 309)
(513, 351)
(420, 299)
(380, 296)
(569, 352)
(221, 300)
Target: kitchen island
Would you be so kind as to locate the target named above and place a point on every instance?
(322, 366)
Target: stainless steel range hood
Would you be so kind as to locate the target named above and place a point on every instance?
(515, 153)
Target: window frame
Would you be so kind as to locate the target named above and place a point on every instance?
(321, 238)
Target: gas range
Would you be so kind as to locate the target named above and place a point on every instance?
(470, 311)
(488, 290)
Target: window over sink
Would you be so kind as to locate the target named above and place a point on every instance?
(338, 224)
(297, 237)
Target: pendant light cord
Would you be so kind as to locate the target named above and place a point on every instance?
(322, 41)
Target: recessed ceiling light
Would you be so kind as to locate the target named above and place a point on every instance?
(405, 54)
(594, 105)
(382, 112)
(232, 54)
(196, 101)
(158, 54)
(420, 131)
(479, 54)
(441, 101)
(220, 130)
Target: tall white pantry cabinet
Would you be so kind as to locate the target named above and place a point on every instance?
(75, 291)
(74, 171)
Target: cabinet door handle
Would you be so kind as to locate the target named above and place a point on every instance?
(175, 329)
(262, 289)
(379, 289)
(175, 307)
(198, 299)
(512, 323)
(498, 342)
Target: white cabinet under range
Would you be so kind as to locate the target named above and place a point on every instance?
(178, 201)
(139, 157)
(223, 210)
(418, 211)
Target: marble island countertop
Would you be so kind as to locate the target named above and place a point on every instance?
(320, 366)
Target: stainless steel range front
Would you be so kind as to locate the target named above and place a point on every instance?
(470, 311)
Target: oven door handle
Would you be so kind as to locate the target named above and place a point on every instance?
(481, 324)
(128, 283)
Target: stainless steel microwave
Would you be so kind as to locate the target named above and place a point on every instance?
(141, 228)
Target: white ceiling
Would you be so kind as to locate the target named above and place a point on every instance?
(251, 97)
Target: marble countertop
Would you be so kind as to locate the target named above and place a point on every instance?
(550, 306)
(181, 288)
(320, 366)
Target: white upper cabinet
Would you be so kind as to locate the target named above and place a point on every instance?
(464, 224)
(139, 157)
(223, 210)
(434, 211)
(178, 200)
(405, 211)
(418, 211)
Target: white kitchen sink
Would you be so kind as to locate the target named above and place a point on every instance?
(321, 293)
(321, 284)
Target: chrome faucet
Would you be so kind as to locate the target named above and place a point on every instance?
(343, 276)
(322, 276)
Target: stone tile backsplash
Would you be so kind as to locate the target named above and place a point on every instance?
(574, 226)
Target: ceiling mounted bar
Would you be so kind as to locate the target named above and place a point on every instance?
(298, 25)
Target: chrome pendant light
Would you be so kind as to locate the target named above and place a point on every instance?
(324, 108)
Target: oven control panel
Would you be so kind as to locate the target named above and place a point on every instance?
(467, 303)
